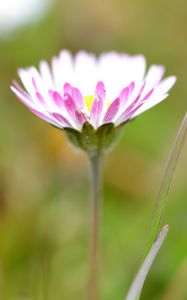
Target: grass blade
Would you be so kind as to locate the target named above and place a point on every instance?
(166, 182)
(137, 285)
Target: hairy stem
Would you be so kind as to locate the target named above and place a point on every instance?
(95, 168)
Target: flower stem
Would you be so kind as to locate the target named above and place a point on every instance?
(95, 168)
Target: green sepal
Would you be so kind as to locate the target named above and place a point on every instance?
(107, 135)
(89, 138)
(92, 140)
(74, 136)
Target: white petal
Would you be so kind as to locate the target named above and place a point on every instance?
(46, 74)
(36, 108)
(165, 85)
(62, 69)
(154, 74)
(85, 72)
(26, 80)
(118, 70)
(136, 70)
(147, 105)
(153, 77)
(160, 93)
(24, 99)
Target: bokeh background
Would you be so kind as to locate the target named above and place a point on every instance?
(44, 183)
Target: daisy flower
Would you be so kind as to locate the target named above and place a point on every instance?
(110, 89)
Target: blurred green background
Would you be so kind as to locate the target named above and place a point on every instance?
(44, 183)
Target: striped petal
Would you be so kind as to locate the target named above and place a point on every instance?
(76, 116)
(112, 111)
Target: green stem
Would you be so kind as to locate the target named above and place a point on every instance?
(95, 168)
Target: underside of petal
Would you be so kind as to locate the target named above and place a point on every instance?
(112, 111)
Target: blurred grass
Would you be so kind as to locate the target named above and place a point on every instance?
(44, 211)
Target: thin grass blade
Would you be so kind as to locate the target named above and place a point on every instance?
(137, 285)
(166, 183)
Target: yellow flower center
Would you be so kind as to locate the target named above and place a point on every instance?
(89, 100)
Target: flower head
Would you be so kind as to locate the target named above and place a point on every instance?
(110, 89)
